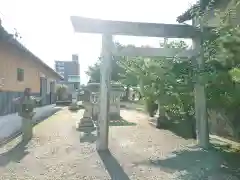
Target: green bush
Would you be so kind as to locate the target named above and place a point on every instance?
(61, 90)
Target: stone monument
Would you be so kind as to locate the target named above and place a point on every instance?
(86, 124)
(74, 105)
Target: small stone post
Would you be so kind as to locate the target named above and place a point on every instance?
(86, 125)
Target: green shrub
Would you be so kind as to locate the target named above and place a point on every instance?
(61, 90)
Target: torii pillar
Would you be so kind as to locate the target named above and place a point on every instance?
(102, 141)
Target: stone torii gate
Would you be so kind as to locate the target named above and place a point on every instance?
(109, 28)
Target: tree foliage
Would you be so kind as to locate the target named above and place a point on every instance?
(118, 72)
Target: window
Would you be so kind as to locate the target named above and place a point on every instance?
(60, 67)
(74, 78)
(20, 74)
(60, 63)
(75, 86)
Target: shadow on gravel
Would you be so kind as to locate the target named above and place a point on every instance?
(113, 167)
(182, 128)
(15, 154)
(121, 122)
(133, 105)
(116, 120)
(139, 109)
(194, 164)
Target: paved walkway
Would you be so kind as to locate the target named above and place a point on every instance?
(138, 151)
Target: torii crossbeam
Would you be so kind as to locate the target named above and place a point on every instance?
(108, 28)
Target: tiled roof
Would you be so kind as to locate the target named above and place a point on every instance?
(5, 36)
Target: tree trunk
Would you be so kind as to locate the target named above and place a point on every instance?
(161, 115)
(139, 96)
(192, 122)
(125, 98)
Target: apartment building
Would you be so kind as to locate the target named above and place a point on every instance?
(70, 71)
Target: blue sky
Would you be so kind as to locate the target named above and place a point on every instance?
(46, 29)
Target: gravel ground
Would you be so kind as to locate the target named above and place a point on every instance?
(137, 151)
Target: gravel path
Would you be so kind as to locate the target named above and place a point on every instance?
(137, 151)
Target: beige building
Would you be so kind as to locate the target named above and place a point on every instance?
(20, 69)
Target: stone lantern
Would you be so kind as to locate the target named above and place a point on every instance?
(86, 124)
(91, 103)
(116, 92)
